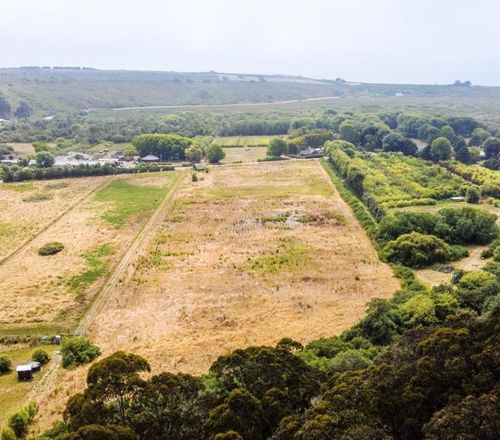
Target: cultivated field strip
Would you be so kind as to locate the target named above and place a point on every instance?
(71, 207)
(114, 278)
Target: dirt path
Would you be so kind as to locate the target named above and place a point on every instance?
(47, 382)
(29, 240)
(242, 104)
(116, 277)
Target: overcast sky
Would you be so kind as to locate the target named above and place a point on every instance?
(416, 41)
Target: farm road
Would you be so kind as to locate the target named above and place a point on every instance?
(115, 278)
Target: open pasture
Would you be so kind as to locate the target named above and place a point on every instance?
(243, 141)
(247, 255)
(29, 207)
(44, 294)
(244, 154)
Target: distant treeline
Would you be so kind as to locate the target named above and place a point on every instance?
(18, 174)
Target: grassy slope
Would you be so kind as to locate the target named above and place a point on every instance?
(65, 90)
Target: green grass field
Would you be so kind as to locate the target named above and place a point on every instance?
(244, 141)
(244, 154)
(132, 200)
(13, 394)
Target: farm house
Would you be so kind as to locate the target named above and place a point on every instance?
(150, 158)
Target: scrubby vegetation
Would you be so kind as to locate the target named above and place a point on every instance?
(420, 250)
(423, 353)
(77, 351)
(40, 356)
(5, 364)
(19, 422)
(51, 248)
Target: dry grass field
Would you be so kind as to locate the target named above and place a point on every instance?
(28, 207)
(43, 294)
(247, 255)
(244, 154)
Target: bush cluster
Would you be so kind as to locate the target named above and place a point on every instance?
(77, 351)
(51, 248)
(420, 250)
(17, 174)
(19, 422)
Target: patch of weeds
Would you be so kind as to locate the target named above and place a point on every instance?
(154, 259)
(177, 218)
(289, 254)
(57, 185)
(322, 218)
(20, 187)
(96, 267)
(38, 197)
(276, 218)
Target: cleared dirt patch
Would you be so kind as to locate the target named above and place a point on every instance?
(218, 276)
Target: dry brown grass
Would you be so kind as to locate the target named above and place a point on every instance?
(217, 277)
(196, 292)
(23, 213)
(39, 289)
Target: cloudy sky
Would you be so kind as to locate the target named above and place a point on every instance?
(412, 41)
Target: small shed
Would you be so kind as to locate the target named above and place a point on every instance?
(35, 366)
(200, 167)
(150, 158)
(24, 372)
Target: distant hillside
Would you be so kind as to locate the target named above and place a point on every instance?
(50, 90)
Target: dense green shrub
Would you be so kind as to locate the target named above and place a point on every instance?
(359, 209)
(277, 147)
(16, 174)
(51, 248)
(472, 195)
(5, 364)
(352, 174)
(77, 351)
(454, 225)
(417, 250)
(40, 356)
(19, 422)
(474, 288)
(8, 434)
(215, 154)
